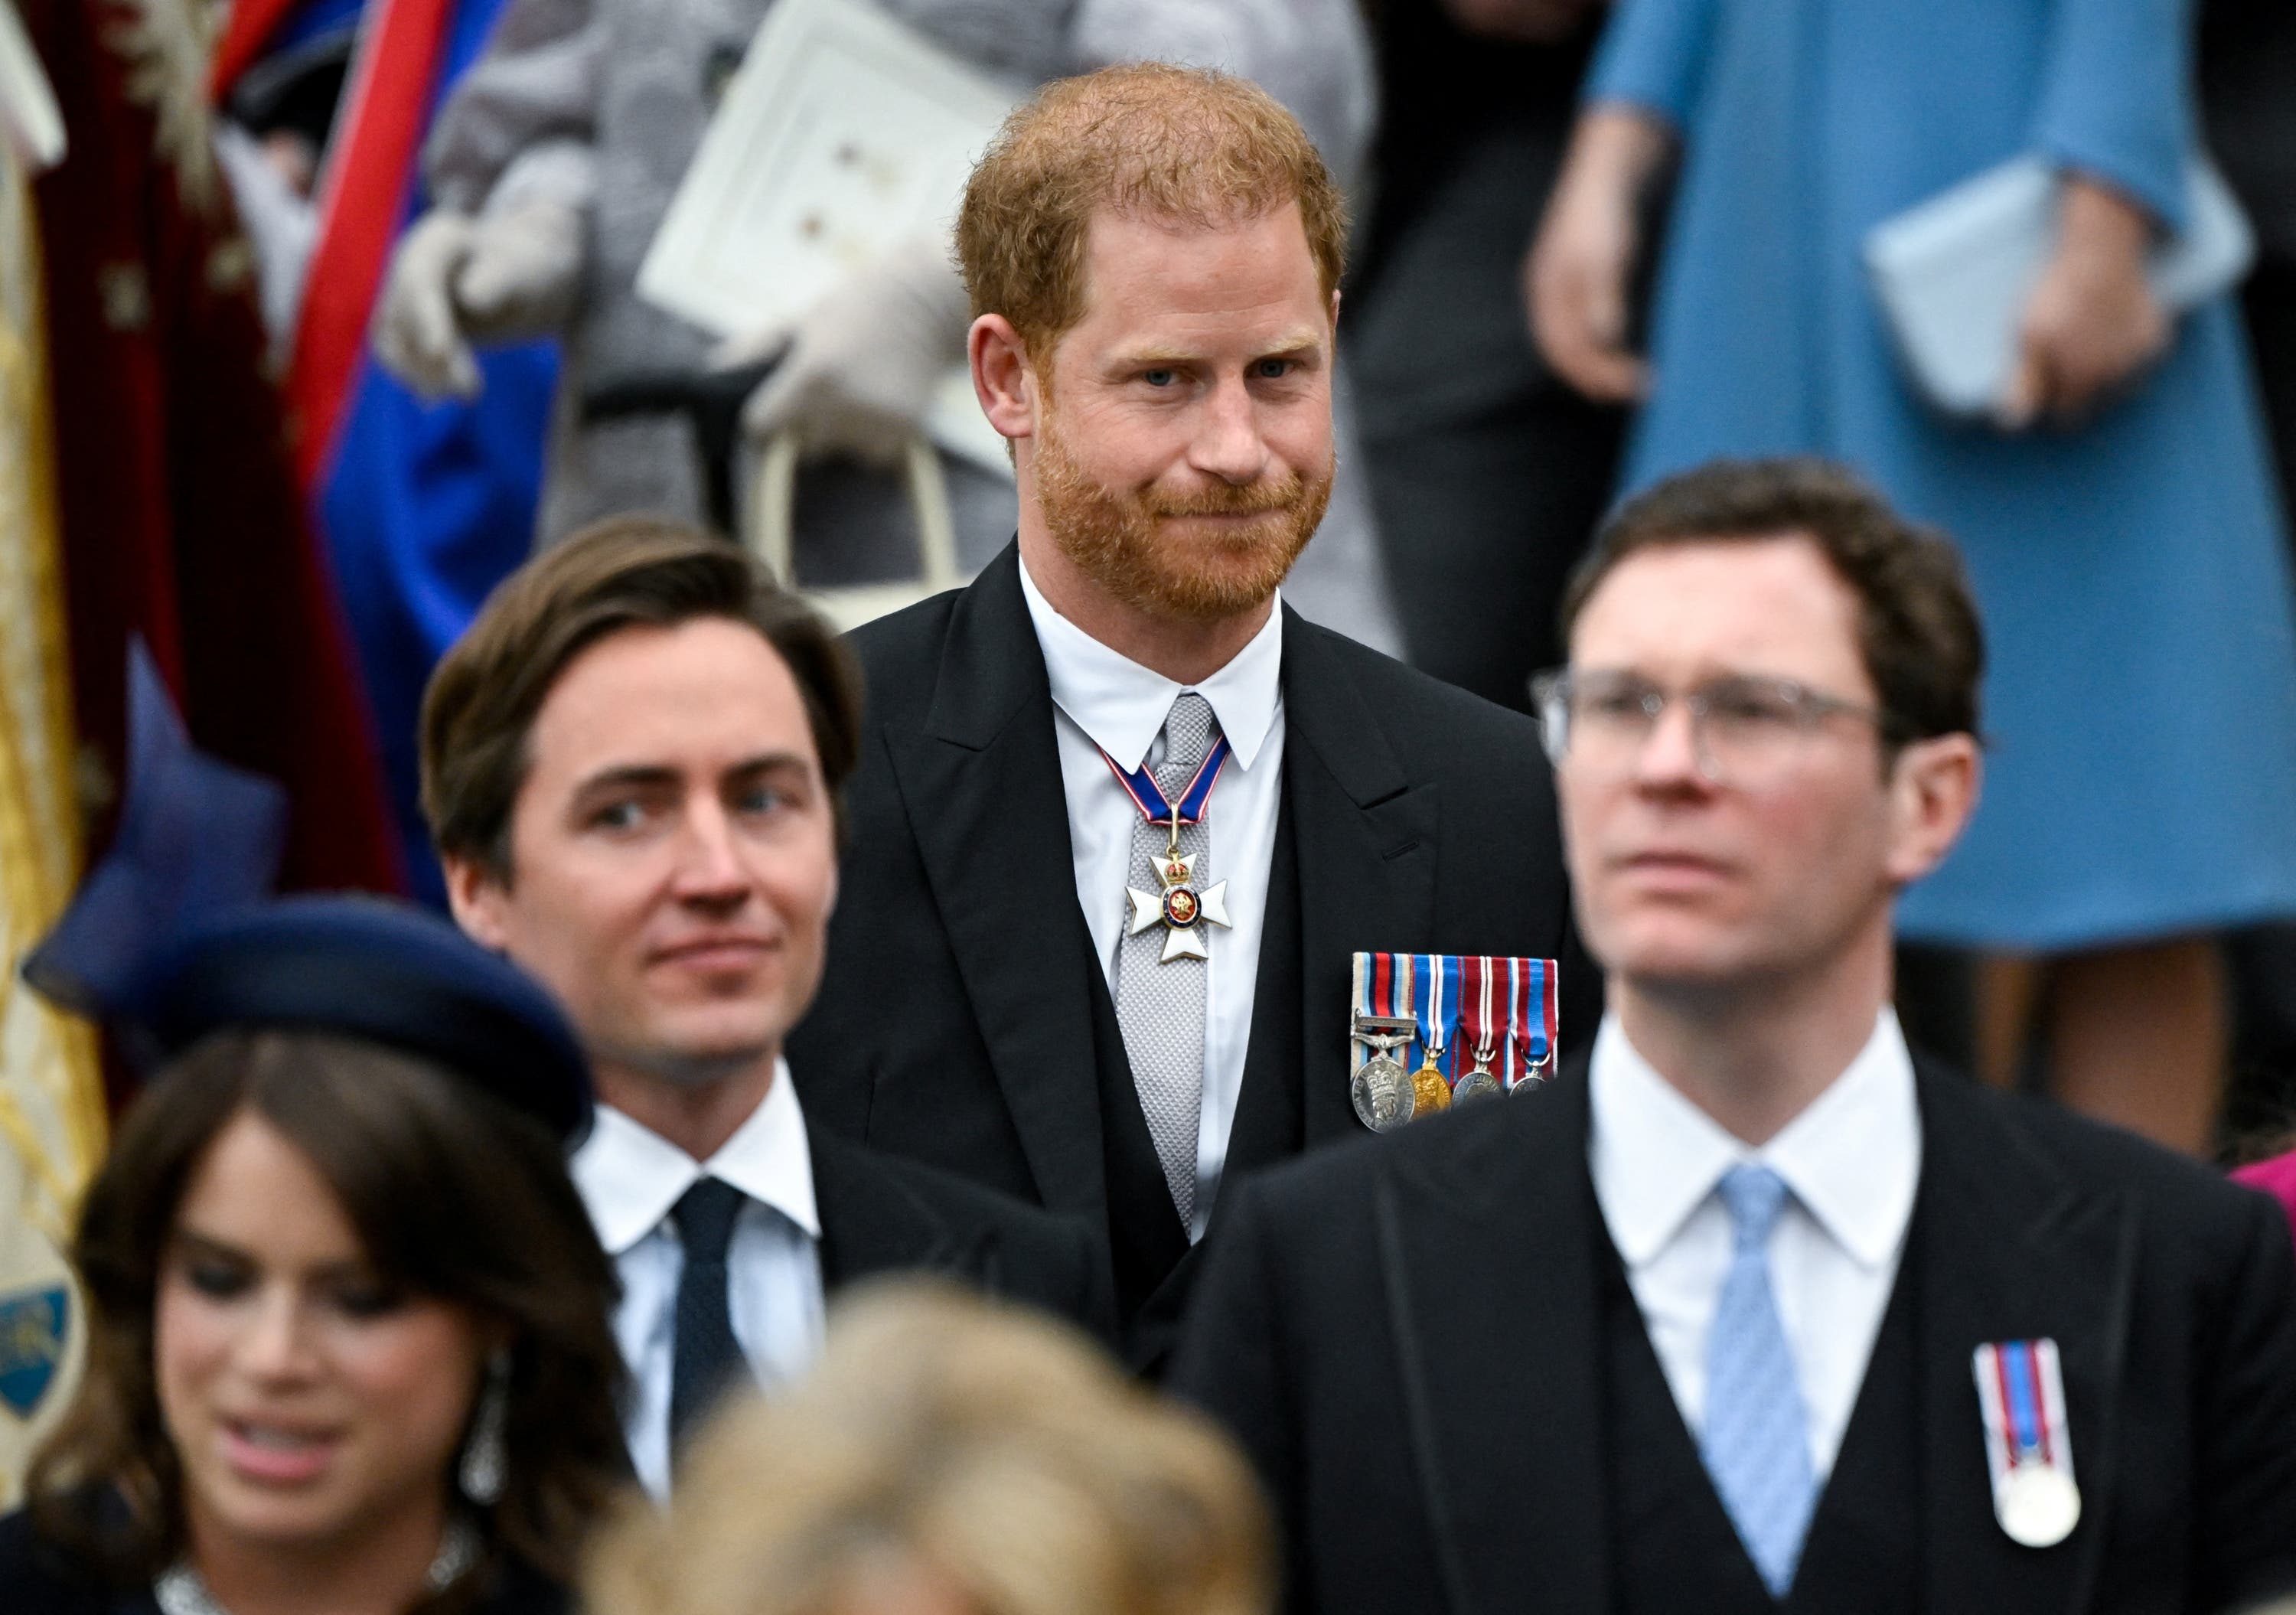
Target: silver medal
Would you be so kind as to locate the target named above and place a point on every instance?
(1475, 1085)
(1381, 1092)
(2028, 1448)
(2038, 1506)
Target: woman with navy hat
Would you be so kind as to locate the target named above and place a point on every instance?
(349, 1348)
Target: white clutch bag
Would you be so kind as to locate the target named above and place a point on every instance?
(1953, 274)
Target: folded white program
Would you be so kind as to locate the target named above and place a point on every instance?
(1953, 274)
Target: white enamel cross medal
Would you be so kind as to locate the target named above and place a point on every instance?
(1179, 907)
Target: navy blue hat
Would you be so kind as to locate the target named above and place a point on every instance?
(378, 971)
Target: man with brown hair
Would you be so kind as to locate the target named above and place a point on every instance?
(1018, 991)
(631, 765)
(1750, 1309)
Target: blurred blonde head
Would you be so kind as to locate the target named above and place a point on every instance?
(948, 1456)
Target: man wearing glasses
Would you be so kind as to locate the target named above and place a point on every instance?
(1753, 1306)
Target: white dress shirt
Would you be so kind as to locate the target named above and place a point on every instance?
(630, 1177)
(1853, 1161)
(1103, 701)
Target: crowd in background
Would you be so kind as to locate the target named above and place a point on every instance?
(318, 317)
(2114, 946)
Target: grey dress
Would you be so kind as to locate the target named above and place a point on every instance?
(601, 104)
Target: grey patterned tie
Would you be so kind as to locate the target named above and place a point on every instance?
(1161, 1005)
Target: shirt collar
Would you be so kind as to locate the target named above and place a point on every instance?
(1852, 1158)
(630, 1176)
(1121, 706)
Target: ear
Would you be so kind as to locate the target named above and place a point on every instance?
(1934, 789)
(1002, 377)
(1336, 310)
(480, 901)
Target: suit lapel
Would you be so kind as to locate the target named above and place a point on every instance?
(2010, 1249)
(982, 786)
(1366, 839)
(1487, 1254)
(872, 1223)
(1268, 1126)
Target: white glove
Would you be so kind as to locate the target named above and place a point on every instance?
(859, 370)
(282, 224)
(455, 279)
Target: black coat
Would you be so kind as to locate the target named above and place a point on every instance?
(1409, 1340)
(965, 1020)
(880, 1216)
(38, 1579)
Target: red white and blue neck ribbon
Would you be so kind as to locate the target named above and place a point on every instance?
(1149, 797)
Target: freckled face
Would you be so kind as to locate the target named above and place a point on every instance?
(1184, 455)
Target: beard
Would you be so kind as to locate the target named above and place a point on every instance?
(1114, 536)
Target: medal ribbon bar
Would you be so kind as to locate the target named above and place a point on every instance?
(1381, 1090)
(1435, 1009)
(1521, 974)
(2018, 1366)
(1372, 1026)
(1392, 998)
(2020, 1393)
(1532, 1016)
(1487, 1008)
(1440, 999)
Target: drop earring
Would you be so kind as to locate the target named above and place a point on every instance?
(481, 1472)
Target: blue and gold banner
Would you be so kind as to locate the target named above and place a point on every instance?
(52, 1113)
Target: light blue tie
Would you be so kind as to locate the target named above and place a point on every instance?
(1756, 1442)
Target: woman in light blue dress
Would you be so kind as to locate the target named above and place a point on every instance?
(2117, 516)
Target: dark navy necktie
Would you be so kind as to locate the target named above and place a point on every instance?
(705, 1358)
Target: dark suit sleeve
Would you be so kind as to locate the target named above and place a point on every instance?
(1232, 1360)
(1091, 1289)
(2246, 1535)
(1054, 1262)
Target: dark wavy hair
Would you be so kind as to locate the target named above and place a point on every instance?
(622, 572)
(454, 1195)
(1918, 630)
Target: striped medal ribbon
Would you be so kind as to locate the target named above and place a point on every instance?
(2020, 1393)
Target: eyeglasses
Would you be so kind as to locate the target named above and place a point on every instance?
(1742, 728)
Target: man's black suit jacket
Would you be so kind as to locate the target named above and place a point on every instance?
(880, 1216)
(965, 1020)
(1406, 1338)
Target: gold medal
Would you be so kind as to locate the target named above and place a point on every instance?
(1429, 1092)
